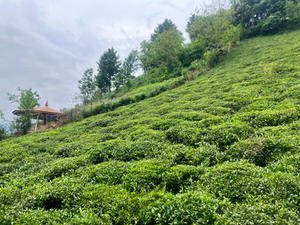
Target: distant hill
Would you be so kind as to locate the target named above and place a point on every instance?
(221, 149)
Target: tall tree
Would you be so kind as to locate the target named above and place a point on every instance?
(2, 127)
(292, 9)
(144, 54)
(1, 115)
(129, 66)
(27, 100)
(87, 85)
(150, 49)
(108, 67)
(164, 50)
(252, 12)
(212, 22)
(166, 25)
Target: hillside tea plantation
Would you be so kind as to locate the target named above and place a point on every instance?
(221, 149)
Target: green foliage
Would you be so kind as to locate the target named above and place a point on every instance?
(2, 128)
(2, 133)
(87, 86)
(271, 23)
(187, 208)
(164, 49)
(26, 101)
(222, 148)
(232, 34)
(213, 24)
(292, 9)
(1, 115)
(167, 25)
(191, 52)
(264, 17)
(108, 68)
(160, 56)
(260, 213)
(129, 67)
(180, 176)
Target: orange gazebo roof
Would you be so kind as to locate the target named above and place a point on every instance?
(42, 110)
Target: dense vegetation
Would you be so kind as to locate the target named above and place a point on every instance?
(220, 149)
(213, 29)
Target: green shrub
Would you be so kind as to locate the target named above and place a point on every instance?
(260, 214)
(179, 176)
(288, 164)
(145, 175)
(206, 154)
(61, 193)
(113, 150)
(259, 151)
(245, 183)
(270, 117)
(3, 134)
(110, 173)
(102, 123)
(226, 134)
(187, 208)
(63, 166)
(65, 151)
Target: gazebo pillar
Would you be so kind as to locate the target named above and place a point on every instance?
(45, 119)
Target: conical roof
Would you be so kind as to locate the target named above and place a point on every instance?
(43, 110)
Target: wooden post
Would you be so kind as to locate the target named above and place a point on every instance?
(45, 119)
(37, 120)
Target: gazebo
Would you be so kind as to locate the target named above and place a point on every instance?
(42, 113)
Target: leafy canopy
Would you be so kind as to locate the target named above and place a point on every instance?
(108, 68)
(165, 26)
(158, 43)
(27, 100)
(211, 22)
(87, 85)
(129, 66)
(164, 50)
(1, 115)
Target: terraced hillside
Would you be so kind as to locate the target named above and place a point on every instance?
(222, 149)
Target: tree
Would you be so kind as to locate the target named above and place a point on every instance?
(87, 86)
(165, 26)
(2, 128)
(145, 47)
(211, 22)
(192, 51)
(257, 16)
(1, 115)
(164, 50)
(191, 20)
(27, 101)
(292, 9)
(130, 64)
(108, 67)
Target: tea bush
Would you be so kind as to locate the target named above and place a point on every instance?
(178, 176)
(218, 146)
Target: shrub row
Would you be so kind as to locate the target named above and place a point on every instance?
(106, 107)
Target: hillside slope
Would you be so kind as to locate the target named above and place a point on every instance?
(222, 149)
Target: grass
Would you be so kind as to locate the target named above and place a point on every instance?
(221, 149)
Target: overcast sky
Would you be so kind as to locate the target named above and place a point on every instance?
(47, 44)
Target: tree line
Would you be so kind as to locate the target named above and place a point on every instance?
(212, 29)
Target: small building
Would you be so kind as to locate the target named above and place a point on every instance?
(42, 113)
